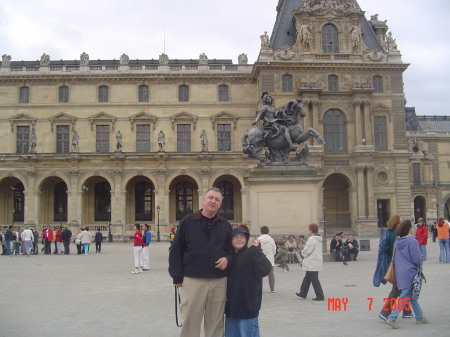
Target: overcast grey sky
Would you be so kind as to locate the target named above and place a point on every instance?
(105, 29)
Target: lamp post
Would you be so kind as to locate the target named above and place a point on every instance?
(324, 245)
(437, 212)
(109, 226)
(13, 210)
(60, 211)
(158, 238)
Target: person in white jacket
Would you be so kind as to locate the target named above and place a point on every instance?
(27, 238)
(312, 264)
(269, 249)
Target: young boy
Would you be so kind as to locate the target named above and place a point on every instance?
(244, 287)
(283, 256)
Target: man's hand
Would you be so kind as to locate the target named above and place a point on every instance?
(222, 263)
(178, 285)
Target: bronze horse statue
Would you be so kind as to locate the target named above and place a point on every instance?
(256, 139)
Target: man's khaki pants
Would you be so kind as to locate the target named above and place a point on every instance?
(203, 298)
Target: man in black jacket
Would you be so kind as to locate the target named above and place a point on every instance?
(199, 255)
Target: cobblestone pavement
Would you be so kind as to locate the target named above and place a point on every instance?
(97, 295)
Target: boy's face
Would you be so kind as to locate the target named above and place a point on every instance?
(238, 241)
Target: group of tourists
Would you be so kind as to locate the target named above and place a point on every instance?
(17, 241)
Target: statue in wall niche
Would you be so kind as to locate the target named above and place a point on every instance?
(243, 59)
(163, 59)
(265, 41)
(6, 60)
(118, 141)
(356, 37)
(124, 59)
(279, 133)
(33, 141)
(204, 141)
(161, 140)
(203, 59)
(84, 59)
(45, 60)
(305, 35)
(75, 141)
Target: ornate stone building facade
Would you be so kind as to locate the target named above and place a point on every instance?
(139, 141)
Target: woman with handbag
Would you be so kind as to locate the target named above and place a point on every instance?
(385, 251)
(407, 261)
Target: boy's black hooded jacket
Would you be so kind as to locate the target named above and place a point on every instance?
(244, 288)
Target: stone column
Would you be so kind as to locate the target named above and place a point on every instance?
(358, 124)
(31, 214)
(368, 123)
(315, 116)
(361, 214)
(73, 199)
(372, 205)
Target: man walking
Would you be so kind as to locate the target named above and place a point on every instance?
(198, 258)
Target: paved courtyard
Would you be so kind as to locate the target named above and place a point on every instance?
(97, 295)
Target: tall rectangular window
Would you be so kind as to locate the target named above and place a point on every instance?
(23, 139)
(286, 83)
(144, 93)
(380, 133)
(183, 93)
(24, 95)
(330, 39)
(416, 173)
(63, 94)
(62, 138)
(103, 93)
(223, 93)
(224, 137)
(143, 138)
(333, 84)
(184, 138)
(378, 84)
(102, 138)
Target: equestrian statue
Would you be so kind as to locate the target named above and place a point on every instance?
(280, 132)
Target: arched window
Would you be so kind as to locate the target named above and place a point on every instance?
(19, 203)
(335, 133)
(183, 93)
(144, 93)
(102, 197)
(63, 94)
(330, 41)
(103, 93)
(378, 83)
(227, 209)
(333, 84)
(60, 202)
(24, 95)
(286, 83)
(184, 191)
(223, 93)
(143, 201)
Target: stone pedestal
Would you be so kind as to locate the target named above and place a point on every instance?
(286, 199)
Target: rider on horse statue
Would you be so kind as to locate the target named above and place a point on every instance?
(272, 126)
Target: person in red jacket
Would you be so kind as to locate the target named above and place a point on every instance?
(422, 237)
(58, 240)
(138, 244)
(47, 236)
